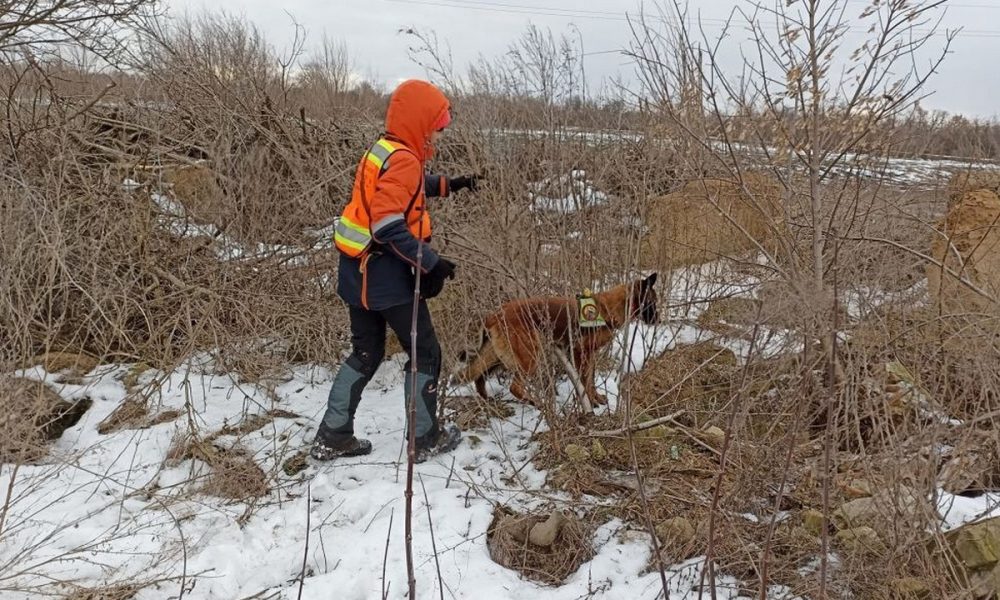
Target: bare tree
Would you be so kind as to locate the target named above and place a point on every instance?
(98, 25)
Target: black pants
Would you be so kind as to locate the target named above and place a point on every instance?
(368, 329)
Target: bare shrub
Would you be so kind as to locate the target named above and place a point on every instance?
(710, 219)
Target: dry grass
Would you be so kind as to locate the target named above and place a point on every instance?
(233, 475)
(508, 541)
(31, 415)
(133, 413)
(111, 592)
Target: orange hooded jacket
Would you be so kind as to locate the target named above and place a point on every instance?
(387, 203)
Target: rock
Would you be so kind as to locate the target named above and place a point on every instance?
(882, 508)
(658, 432)
(714, 435)
(857, 488)
(597, 450)
(545, 533)
(860, 540)
(986, 584)
(909, 588)
(978, 544)
(813, 522)
(576, 452)
(974, 470)
(855, 513)
(676, 531)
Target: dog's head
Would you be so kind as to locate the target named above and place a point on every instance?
(644, 300)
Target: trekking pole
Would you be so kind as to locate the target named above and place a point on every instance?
(411, 417)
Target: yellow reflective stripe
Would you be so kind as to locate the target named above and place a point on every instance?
(351, 234)
(380, 152)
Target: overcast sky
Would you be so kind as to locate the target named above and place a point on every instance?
(968, 82)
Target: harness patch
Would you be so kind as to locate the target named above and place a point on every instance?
(589, 312)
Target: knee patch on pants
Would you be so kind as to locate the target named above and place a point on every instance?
(365, 362)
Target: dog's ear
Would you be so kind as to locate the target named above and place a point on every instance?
(649, 282)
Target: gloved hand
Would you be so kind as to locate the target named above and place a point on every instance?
(470, 182)
(432, 282)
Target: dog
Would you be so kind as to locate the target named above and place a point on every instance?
(516, 336)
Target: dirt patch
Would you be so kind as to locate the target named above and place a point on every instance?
(31, 415)
(709, 219)
(970, 247)
(970, 181)
(544, 548)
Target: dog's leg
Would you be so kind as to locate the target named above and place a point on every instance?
(519, 388)
(486, 359)
(584, 357)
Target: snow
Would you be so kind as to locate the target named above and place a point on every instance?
(956, 511)
(575, 193)
(107, 509)
(863, 301)
(686, 293)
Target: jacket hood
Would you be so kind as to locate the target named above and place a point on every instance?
(414, 108)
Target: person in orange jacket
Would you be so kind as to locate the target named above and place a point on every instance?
(383, 237)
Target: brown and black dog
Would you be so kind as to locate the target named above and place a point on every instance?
(516, 337)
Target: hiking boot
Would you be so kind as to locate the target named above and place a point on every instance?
(447, 440)
(322, 450)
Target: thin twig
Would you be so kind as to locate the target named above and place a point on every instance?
(430, 524)
(385, 556)
(640, 427)
(574, 376)
(305, 549)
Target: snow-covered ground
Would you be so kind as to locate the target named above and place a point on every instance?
(106, 509)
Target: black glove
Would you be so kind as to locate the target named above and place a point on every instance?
(470, 182)
(432, 282)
